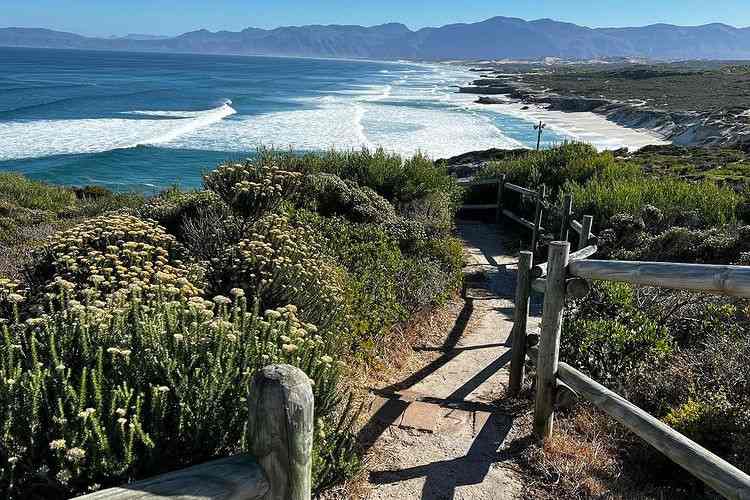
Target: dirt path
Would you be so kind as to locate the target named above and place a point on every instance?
(437, 433)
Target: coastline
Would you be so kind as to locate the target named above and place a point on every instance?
(583, 125)
(708, 128)
(586, 126)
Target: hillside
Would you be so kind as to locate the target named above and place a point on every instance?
(495, 38)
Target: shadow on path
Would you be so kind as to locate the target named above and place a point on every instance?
(483, 282)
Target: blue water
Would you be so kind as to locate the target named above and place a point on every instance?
(147, 121)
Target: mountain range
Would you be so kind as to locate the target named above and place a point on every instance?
(495, 38)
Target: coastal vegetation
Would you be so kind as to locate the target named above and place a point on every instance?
(131, 327)
(681, 356)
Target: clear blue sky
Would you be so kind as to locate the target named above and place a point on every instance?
(170, 17)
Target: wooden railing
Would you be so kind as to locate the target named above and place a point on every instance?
(568, 274)
(278, 467)
(537, 196)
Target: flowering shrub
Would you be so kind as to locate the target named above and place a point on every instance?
(253, 189)
(279, 264)
(114, 256)
(94, 396)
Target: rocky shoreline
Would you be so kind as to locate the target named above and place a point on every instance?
(719, 128)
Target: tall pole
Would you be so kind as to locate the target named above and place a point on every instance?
(539, 127)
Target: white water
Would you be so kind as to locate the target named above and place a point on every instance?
(29, 139)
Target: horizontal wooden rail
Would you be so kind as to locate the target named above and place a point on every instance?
(229, 478)
(720, 475)
(485, 206)
(525, 223)
(478, 182)
(725, 280)
(522, 190)
(540, 270)
(576, 226)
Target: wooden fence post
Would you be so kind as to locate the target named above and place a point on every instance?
(549, 339)
(280, 424)
(537, 217)
(500, 189)
(585, 236)
(520, 317)
(567, 211)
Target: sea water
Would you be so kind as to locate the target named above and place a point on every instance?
(134, 121)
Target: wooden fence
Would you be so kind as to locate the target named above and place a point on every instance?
(568, 274)
(537, 196)
(278, 467)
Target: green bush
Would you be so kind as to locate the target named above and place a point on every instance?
(111, 256)
(329, 195)
(25, 193)
(608, 336)
(629, 238)
(282, 264)
(396, 179)
(613, 193)
(573, 161)
(436, 211)
(198, 219)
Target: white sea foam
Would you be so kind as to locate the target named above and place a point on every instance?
(28, 139)
(352, 121)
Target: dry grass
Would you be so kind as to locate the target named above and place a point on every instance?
(590, 456)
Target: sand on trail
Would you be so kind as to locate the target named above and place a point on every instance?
(437, 433)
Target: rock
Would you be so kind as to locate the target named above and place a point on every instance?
(482, 90)
(489, 100)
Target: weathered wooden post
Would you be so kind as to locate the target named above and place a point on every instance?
(549, 340)
(280, 424)
(541, 193)
(500, 189)
(520, 318)
(567, 211)
(585, 236)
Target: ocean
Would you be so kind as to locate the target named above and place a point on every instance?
(133, 121)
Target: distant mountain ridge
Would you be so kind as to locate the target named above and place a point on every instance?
(495, 38)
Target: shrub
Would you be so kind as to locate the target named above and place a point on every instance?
(607, 335)
(198, 219)
(703, 391)
(629, 240)
(111, 256)
(253, 188)
(573, 161)
(392, 177)
(372, 260)
(608, 194)
(282, 264)
(91, 396)
(329, 195)
(25, 193)
(435, 211)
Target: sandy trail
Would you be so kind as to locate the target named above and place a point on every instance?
(437, 432)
